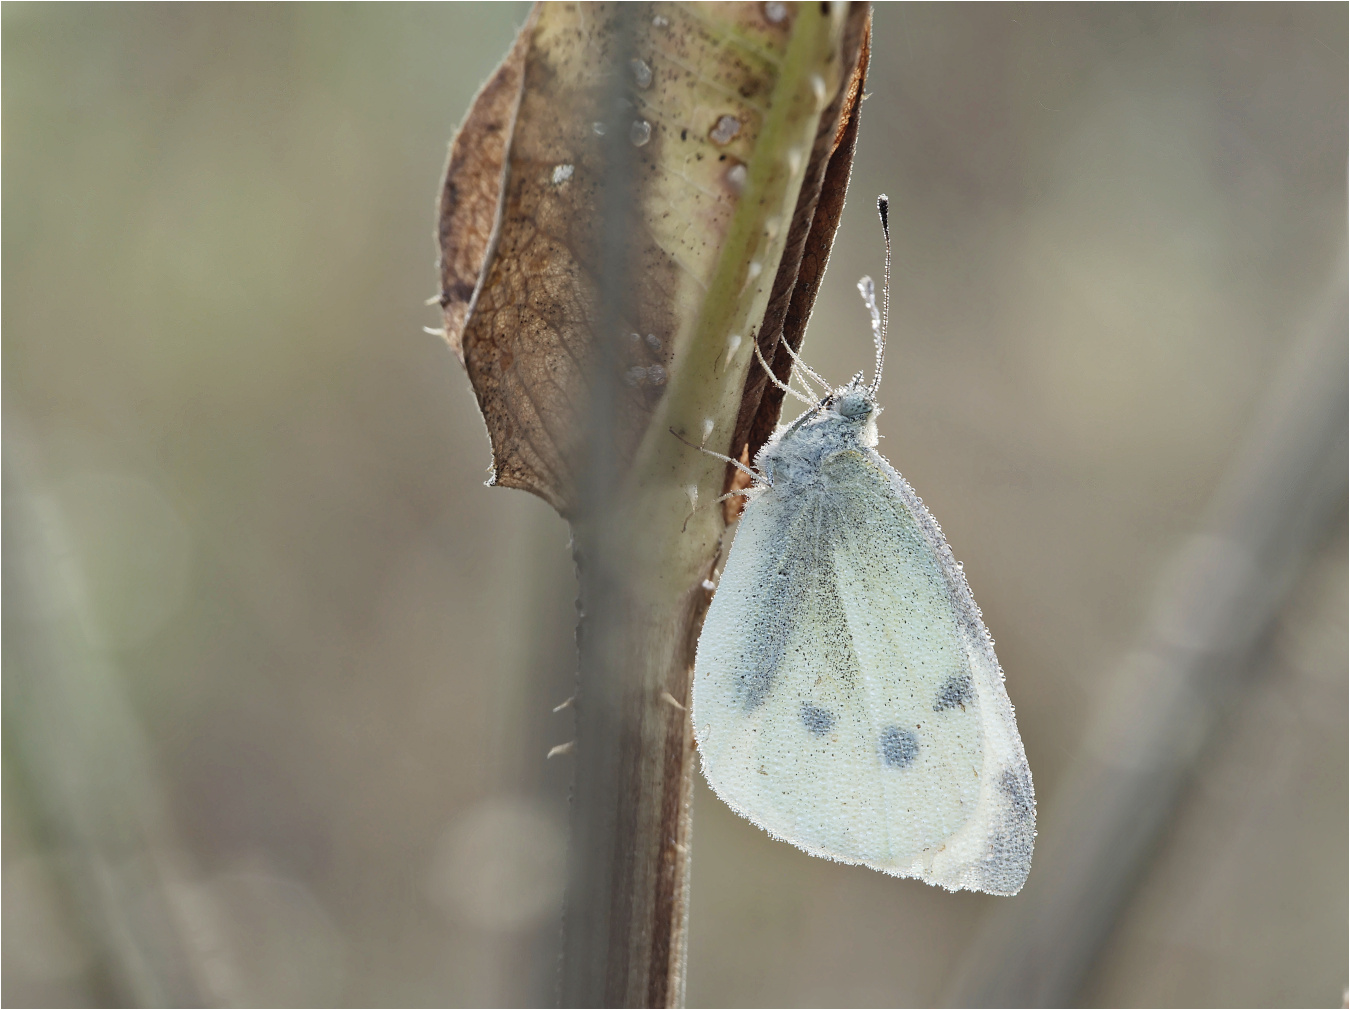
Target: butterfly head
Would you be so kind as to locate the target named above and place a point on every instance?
(856, 407)
(854, 402)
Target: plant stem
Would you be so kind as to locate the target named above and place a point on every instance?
(642, 560)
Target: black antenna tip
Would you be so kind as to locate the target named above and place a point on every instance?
(884, 209)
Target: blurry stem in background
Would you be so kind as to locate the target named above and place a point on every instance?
(87, 779)
(610, 926)
(1285, 484)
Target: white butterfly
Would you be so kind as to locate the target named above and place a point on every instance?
(846, 694)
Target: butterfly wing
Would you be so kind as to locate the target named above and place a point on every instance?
(846, 694)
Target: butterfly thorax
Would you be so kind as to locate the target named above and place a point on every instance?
(793, 458)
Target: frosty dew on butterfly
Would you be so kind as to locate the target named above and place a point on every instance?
(847, 698)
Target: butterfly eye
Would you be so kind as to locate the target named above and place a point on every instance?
(854, 405)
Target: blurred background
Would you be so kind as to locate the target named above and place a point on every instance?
(279, 668)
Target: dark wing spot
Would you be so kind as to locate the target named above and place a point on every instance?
(1018, 792)
(957, 690)
(818, 720)
(899, 747)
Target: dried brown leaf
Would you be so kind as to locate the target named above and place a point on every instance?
(520, 224)
(471, 192)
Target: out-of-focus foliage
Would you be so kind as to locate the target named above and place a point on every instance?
(1110, 223)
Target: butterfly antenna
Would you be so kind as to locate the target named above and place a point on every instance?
(777, 381)
(879, 334)
(869, 296)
